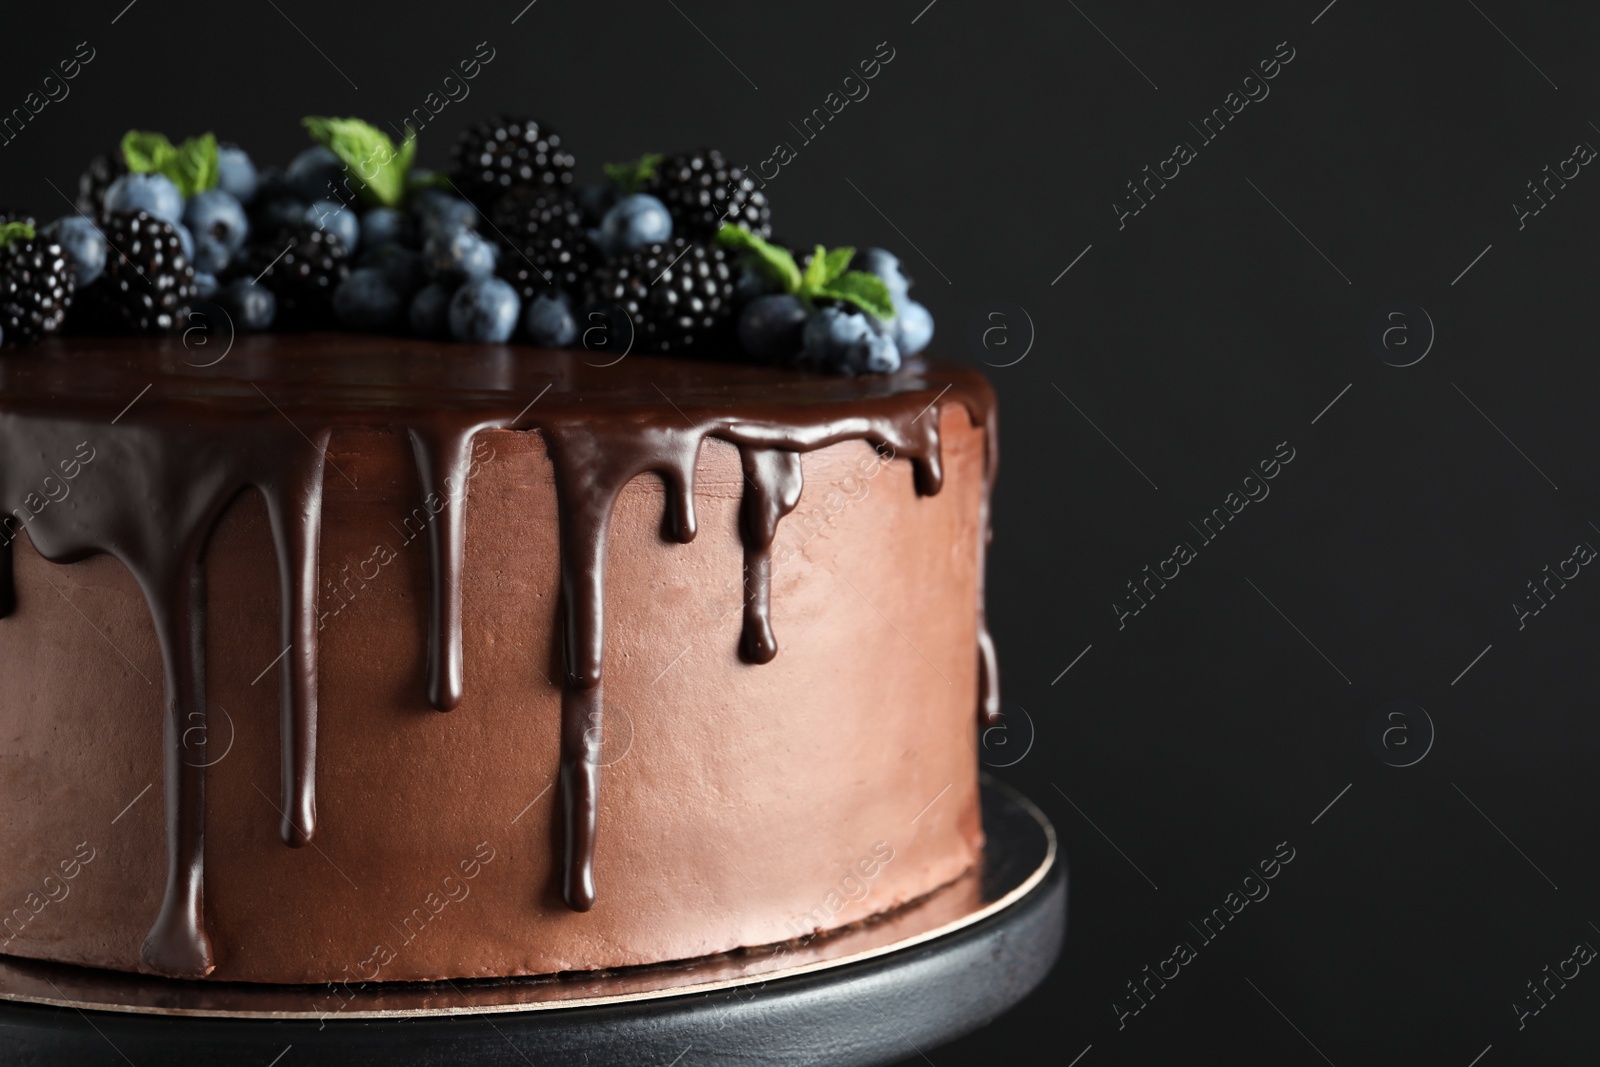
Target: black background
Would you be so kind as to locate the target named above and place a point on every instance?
(1226, 716)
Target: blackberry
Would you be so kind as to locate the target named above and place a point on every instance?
(302, 265)
(702, 192)
(544, 244)
(678, 295)
(148, 283)
(506, 153)
(35, 289)
(96, 179)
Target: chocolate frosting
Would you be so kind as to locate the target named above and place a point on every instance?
(183, 440)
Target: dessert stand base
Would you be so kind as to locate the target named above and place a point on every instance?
(880, 993)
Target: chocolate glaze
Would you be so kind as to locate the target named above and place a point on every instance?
(168, 464)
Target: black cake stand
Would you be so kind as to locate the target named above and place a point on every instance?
(883, 992)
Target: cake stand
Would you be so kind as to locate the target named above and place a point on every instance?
(876, 994)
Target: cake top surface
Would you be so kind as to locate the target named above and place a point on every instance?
(351, 379)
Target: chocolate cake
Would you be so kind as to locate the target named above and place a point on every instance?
(355, 658)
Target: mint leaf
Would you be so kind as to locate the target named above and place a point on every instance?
(193, 165)
(368, 153)
(816, 275)
(737, 237)
(15, 231)
(146, 152)
(421, 178)
(827, 275)
(837, 262)
(774, 261)
(866, 291)
(630, 177)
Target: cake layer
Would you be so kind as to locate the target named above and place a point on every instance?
(710, 636)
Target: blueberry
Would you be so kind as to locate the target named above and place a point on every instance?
(875, 261)
(210, 255)
(272, 184)
(831, 328)
(441, 212)
(84, 245)
(430, 200)
(484, 310)
(875, 353)
(252, 306)
(236, 174)
(596, 199)
(751, 284)
(458, 256)
(401, 267)
(634, 222)
(549, 322)
(460, 215)
(152, 193)
(882, 355)
(884, 265)
(771, 327)
(430, 311)
(386, 226)
(280, 213)
(185, 238)
(217, 214)
(315, 174)
(366, 301)
(913, 328)
(839, 340)
(205, 285)
(334, 217)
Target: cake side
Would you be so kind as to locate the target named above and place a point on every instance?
(741, 804)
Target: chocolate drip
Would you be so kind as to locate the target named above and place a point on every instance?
(678, 524)
(590, 471)
(177, 944)
(772, 483)
(169, 480)
(180, 455)
(444, 460)
(294, 510)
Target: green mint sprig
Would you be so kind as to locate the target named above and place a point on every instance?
(775, 262)
(826, 277)
(631, 177)
(192, 165)
(369, 154)
(420, 179)
(15, 231)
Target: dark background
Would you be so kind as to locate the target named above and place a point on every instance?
(1227, 715)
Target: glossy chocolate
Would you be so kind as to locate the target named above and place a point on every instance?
(188, 433)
